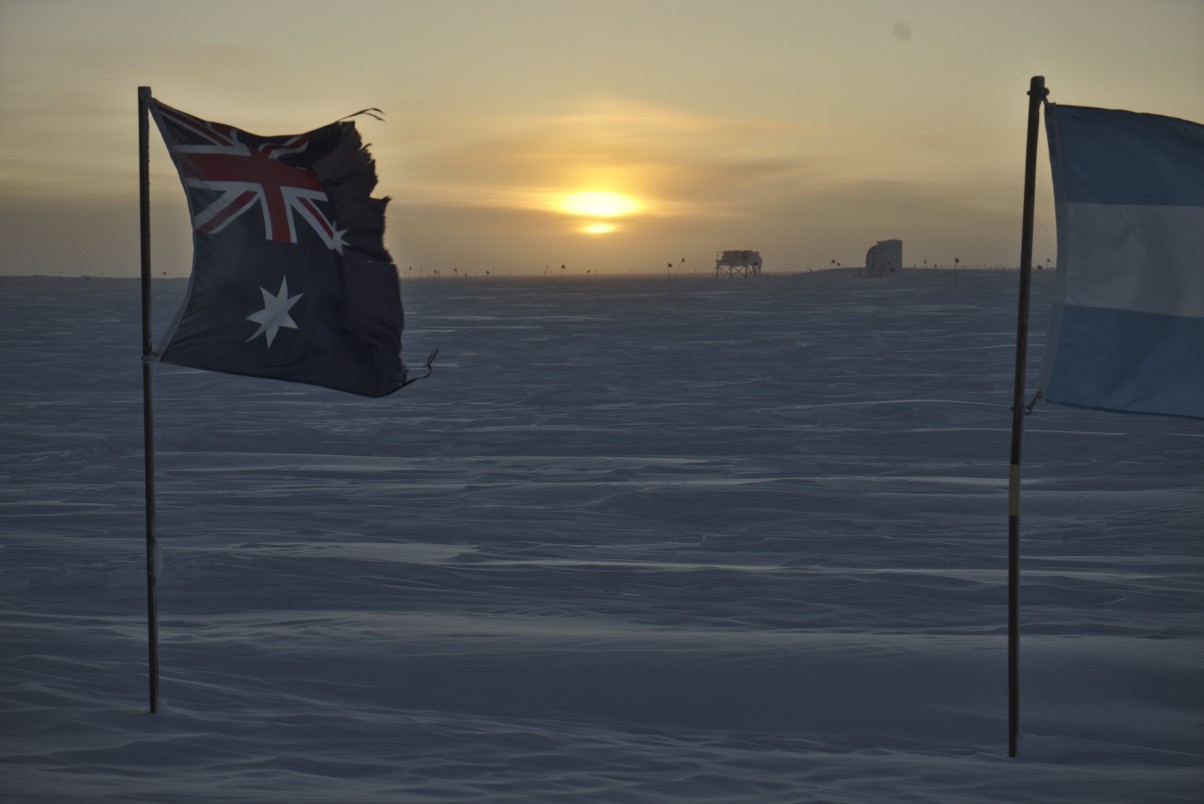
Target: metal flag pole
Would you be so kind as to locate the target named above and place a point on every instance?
(1036, 95)
(148, 417)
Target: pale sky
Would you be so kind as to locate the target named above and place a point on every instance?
(807, 129)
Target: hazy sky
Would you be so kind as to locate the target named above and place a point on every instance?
(808, 129)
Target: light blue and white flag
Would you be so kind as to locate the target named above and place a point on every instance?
(1127, 330)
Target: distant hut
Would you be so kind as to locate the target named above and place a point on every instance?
(885, 258)
(738, 263)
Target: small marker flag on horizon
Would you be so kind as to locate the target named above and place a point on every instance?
(290, 276)
(1127, 329)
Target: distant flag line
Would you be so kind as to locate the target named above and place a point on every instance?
(1126, 332)
(290, 276)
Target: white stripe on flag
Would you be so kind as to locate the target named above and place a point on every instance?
(1149, 259)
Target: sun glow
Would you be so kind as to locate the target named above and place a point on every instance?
(598, 228)
(599, 205)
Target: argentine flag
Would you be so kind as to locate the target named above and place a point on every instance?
(1127, 330)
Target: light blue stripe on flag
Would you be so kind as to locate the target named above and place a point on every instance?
(1127, 330)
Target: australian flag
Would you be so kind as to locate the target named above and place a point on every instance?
(290, 276)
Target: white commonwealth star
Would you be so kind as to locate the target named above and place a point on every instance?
(274, 314)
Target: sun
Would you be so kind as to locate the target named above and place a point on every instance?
(599, 205)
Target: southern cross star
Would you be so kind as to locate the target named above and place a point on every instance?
(274, 314)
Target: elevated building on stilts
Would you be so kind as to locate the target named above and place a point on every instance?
(738, 263)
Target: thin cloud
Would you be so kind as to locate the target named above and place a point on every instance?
(680, 163)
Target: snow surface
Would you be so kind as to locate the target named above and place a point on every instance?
(637, 540)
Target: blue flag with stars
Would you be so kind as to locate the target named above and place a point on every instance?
(290, 276)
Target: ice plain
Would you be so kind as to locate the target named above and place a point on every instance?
(638, 539)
